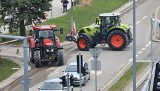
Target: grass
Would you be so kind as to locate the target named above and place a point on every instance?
(85, 16)
(127, 77)
(6, 68)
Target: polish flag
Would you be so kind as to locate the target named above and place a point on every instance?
(74, 29)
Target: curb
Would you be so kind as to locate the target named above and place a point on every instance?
(14, 76)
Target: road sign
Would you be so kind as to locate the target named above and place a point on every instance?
(96, 65)
(95, 52)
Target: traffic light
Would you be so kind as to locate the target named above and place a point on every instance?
(81, 61)
(71, 80)
(63, 78)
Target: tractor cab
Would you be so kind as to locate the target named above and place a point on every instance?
(106, 21)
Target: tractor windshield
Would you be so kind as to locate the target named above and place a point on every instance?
(46, 34)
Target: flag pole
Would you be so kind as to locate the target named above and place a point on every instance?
(71, 15)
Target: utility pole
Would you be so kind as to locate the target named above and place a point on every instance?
(80, 82)
(134, 45)
(71, 14)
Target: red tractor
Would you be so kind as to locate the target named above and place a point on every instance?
(45, 46)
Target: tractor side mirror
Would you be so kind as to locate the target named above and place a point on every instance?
(30, 33)
(61, 30)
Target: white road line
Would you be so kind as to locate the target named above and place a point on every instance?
(130, 60)
(144, 17)
(143, 49)
(147, 45)
(136, 55)
(139, 52)
(90, 59)
(138, 22)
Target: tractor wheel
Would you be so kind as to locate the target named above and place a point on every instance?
(37, 59)
(32, 56)
(83, 43)
(59, 60)
(117, 40)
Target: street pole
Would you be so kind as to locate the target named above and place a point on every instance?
(26, 81)
(71, 15)
(51, 10)
(95, 57)
(67, 82)
(134, 45)
(80, 71)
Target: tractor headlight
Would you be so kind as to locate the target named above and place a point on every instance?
(47, 50)
(52, 50)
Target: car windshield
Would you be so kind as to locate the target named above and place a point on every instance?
(71, 68)
(51, 86)
(46, 33)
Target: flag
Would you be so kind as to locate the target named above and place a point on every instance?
(74, 29)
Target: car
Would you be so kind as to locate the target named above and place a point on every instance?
(54, 85)
(71, 69)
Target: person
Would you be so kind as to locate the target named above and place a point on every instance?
(64, 3)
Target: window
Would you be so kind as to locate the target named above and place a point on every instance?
(71, 68)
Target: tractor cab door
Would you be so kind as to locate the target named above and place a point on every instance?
(105, 25)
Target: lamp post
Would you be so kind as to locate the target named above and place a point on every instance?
(134, 45)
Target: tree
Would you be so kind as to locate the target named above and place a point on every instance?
(19, 13)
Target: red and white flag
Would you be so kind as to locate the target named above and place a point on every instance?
(74, 29)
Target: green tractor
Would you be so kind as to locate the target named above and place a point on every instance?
(108, 30)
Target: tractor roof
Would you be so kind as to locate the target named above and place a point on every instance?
(44, 27)
(109, 14)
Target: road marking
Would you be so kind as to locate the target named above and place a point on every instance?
(136, 55)
(90, 59)
(147, 45)
(143, 49)
(130, 60)
(139, 52)
(144, 17)
(138, 22)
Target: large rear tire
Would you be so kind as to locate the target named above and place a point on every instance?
(37, 59)
(117, 40)
(59, 60)
(83, 43)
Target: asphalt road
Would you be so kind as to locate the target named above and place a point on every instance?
(112, 61)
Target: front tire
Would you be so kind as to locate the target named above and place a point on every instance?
(59, 60)
(117, 40)
(83, 43)
(37, 59)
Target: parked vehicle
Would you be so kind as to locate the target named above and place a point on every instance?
(54, 85)
(44, 45)
(71, 69)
